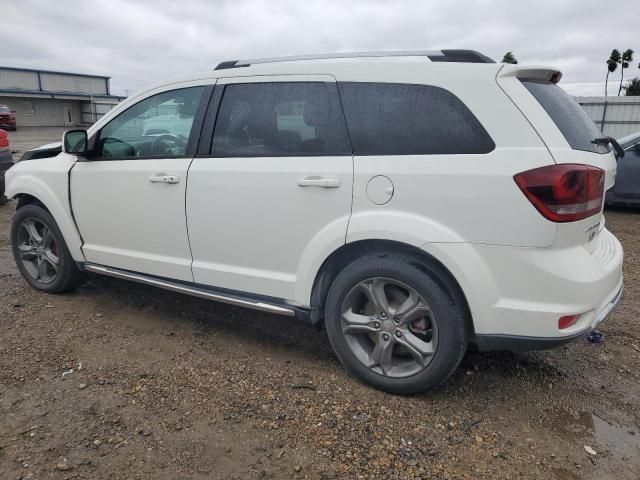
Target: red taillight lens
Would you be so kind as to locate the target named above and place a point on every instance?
(4, 139)
(565, 192)
(567, 321)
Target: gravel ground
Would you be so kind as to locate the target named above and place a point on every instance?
(122, 381)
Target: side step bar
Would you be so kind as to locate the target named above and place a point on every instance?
(193, 291)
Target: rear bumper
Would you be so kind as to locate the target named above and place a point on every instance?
(513, 342)
(516, 295)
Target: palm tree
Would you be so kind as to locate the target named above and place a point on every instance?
(612, 64)
(627, 58)
(633, 88)
(509, 58)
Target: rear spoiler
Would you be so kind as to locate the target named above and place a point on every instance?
(549, 74)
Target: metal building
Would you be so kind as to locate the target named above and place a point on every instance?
(615, 116)
(55, 99)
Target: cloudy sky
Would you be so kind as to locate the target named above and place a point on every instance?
(137, 42)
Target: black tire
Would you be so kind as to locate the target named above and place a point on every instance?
(68, 275)
(437, 290)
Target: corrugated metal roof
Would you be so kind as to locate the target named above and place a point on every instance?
(36, 70)
(48, 94)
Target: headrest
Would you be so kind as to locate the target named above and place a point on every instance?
(316, 114)
(262, 123)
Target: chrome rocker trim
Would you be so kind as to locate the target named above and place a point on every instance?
(193, 291)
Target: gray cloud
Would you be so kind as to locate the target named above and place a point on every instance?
(139, 42)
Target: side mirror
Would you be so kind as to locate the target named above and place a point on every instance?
(74, 142)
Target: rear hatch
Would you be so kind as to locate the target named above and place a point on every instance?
(568, 132)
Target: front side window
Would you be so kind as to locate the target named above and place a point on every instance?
(280, 119)
(156, 127)
(406, 119)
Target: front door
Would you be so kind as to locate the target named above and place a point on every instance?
(278, 179)
(128, 198)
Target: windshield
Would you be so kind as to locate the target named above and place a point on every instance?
(574, 123)
(4, 108)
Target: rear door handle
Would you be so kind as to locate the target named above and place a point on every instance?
(162, 178)
(315, 181)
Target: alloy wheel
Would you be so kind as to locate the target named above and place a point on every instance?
(389, 327)
(38, 250)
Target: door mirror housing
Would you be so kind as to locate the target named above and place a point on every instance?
(75, 142)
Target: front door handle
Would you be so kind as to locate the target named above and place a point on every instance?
(315, 181)
(162, 178)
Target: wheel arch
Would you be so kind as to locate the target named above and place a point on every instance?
(347, 253)
(36, 192)
(25, 199)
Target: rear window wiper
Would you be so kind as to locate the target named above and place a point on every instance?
(610, 141)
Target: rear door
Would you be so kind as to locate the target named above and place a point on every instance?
(277, 179)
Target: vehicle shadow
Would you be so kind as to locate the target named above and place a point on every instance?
(293, 339)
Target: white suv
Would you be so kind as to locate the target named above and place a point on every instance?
(413, 203)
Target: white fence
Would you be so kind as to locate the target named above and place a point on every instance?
(615, 116)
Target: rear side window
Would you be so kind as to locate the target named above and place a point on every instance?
(574, 123)
(280, 119)
(403, 119)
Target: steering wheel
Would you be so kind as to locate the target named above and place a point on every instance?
(165, 137)
(121, 148)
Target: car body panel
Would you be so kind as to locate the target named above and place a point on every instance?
(47, 180)
(129, 222)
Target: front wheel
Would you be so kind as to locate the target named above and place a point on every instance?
(41, 253)
(395, 326)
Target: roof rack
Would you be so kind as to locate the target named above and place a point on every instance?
(464, 56)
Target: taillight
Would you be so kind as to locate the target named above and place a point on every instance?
(565, 192)
(4, 141)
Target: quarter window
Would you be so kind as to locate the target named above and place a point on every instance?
(280, 119)
(156, 127)
(574, 123)
(403, 119)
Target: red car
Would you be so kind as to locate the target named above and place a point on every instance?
(6, 161)
(7, 118)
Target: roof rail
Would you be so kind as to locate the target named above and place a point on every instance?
(467, 56)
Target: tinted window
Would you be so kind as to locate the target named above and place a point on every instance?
(276, 119)
(400, 119)
(156, 127)
(574, 123)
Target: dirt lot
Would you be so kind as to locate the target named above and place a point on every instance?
(123, 381)
(26, 138)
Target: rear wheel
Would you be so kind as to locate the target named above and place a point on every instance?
(395, 326)
(40, 252)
